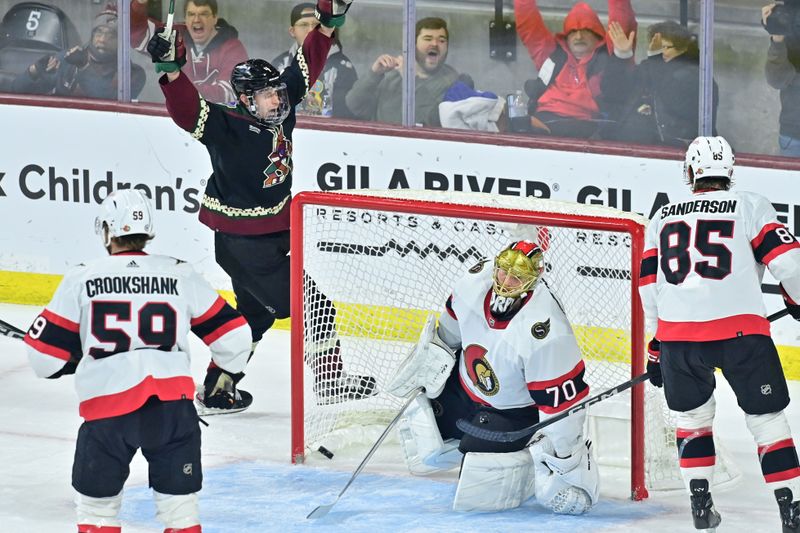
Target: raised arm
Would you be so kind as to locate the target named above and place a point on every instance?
(621, 12)
(532, 31)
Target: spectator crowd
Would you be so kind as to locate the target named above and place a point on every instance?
(588, 79)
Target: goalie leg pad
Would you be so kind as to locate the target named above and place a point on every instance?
(98, 512)
(568, 485)
(494, 481)
(428, 365)
(425, 451)
(177, 511)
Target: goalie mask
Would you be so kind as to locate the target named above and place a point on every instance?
(517, 269)
(708, 157)
(125, 212)
(266, 95)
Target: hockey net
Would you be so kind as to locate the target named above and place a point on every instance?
(389, 258)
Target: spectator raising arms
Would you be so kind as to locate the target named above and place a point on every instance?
(212, 44)
(567, 98)
(378, 95)
(658, 98)
(327, 95)
(89, 71)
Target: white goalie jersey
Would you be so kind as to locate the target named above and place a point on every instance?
(703, 263)
(124, 321)
(532, 359)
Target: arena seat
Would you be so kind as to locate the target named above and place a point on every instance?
(28, 31)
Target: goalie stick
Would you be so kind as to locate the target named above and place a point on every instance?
(510, 436)
(10, 330)
(322, 510)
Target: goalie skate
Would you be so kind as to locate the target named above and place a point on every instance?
(343, 388)
(224, 402)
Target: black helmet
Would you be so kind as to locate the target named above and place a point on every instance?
(253, 76)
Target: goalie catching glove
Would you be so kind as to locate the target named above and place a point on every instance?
(330, 13)
(428, 365)
(167, 51)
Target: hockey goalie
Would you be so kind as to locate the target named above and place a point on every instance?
(504, 357)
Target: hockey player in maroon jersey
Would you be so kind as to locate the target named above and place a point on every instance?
(247, 199)
(120, 324)
(701, 289)
(518, 361)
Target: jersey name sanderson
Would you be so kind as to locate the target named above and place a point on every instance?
(698, 206)
(132, 285)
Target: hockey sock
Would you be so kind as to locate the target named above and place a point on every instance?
(779, 464)
(696, 452)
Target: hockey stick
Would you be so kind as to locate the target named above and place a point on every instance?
(170, 16)
(510, 436)
(322, 510)
(11, 331)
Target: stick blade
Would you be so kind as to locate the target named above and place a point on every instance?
(320, 511)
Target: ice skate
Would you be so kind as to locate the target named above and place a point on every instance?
(344, 387)
(219, 395)
(790, 511)
(705, 517)
(223, 402)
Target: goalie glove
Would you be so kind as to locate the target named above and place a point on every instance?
(654, 362)
(167, 51)
(428, 365)
(331, 12)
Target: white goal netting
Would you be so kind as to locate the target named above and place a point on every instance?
(386, 259)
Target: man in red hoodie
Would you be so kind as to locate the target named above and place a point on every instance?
(566, 99)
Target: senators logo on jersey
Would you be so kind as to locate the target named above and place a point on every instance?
(280, 160)
(480, 371)
(540, 329)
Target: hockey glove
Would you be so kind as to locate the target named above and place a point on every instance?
(167, 51)
(654, 363)
(331, 12)
(791, 306)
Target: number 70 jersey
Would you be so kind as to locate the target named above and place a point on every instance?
(703, 263)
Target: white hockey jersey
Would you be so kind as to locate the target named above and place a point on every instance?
(531, 360)
(125, 319)
(703, 263)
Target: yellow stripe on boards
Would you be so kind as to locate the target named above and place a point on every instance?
(372, 321)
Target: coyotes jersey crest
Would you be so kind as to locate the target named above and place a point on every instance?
(280, 160)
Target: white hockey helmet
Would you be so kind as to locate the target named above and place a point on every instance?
(708, 157)
(126, 212)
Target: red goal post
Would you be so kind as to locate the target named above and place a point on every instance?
(387, 258)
